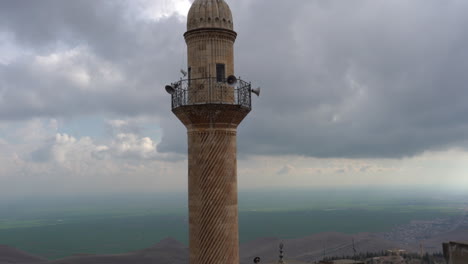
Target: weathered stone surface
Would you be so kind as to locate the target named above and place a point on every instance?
(213, 219)
(211, 118)
(456, 252)
(209, 14)
(207, 48)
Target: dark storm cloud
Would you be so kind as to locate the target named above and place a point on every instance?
(355, 78)
(360, 78)
(144, 52)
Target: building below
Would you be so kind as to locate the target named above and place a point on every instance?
(456, 252)
(393, 259)
(342, 261)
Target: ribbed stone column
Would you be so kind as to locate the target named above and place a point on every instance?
(213, 196)
(212, 181)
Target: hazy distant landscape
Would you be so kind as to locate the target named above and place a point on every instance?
(355, 145)
(57, 227)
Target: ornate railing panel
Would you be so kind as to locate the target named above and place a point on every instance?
(210, 91)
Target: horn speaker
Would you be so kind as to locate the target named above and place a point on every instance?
(256, 91)
(231, 80)
(170, 89)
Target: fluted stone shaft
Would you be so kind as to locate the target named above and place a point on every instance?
(213, 220)
(212, 181)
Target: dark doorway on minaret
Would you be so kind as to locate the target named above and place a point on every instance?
(220, 72)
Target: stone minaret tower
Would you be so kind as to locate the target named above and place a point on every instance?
(211, 103)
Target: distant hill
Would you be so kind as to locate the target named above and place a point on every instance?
(168, 251)
(297, 251)
(9, 255)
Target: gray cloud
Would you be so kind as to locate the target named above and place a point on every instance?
(106, 36)
(123, 126)
(353, 79)
(285, 170)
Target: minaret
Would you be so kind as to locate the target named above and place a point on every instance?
(211, 103)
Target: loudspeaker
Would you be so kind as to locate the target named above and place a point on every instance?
(256, 91)
(170, 89)
(231, 80)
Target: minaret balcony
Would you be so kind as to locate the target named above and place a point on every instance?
(210, 91)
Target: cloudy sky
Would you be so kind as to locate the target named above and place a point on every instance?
(354, 93)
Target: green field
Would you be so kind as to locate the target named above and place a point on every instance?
(56, 228)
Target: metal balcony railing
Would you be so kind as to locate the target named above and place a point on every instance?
(210, 91)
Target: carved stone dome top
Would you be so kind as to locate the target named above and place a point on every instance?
(209, 14)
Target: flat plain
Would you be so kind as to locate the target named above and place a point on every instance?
(57, 227)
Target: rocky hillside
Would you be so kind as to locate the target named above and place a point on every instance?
(9, 255)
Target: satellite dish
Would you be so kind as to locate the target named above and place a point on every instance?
(231, 80)
(256, 91)
(170, 89)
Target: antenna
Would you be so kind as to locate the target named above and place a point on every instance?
(324, 245)
(281, 246)
(354, 248)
